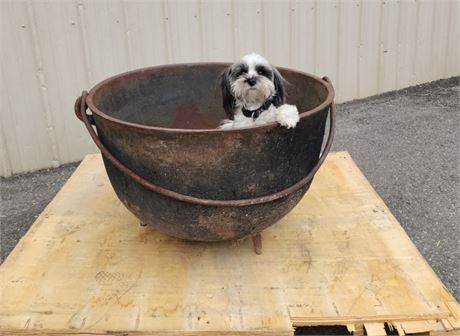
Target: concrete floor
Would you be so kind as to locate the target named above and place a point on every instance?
(406, 142)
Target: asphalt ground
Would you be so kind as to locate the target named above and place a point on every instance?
(406, 142)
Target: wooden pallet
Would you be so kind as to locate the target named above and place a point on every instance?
(87, 267)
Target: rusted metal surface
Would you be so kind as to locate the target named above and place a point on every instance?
(172, 168)
(257, 242)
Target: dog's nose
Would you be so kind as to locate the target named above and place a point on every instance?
(251, 81)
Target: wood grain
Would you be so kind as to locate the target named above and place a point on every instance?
(86, 267)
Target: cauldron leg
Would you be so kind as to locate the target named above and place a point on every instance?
(257, 242)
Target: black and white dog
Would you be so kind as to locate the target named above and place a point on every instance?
(253, 94)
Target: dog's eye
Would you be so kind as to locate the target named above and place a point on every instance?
(264, 72)
(239, 70)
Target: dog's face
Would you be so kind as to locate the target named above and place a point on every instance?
(250, 82)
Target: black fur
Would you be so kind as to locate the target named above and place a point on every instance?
(264, 71)
(228, 101)
(280, 92)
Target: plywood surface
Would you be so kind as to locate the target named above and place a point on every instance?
(86, 267)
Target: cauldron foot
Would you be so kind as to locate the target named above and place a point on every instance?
(257, 242)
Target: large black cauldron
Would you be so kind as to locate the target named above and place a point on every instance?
(173, 169)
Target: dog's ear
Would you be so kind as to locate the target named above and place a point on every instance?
(228, 101)
(280, 91)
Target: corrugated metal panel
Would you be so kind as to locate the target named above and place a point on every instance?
(369, 48)
(247, 27)
(51, 50)
(423, 41)
(453, 51)
(407, 35)
(388, 46)
(348, 50)
(217, 30)
(303, 27)
(25, 121)
(326, 48)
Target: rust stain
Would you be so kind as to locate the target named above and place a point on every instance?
(196, 182)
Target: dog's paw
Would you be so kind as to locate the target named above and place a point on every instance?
(287, 115)
(226, 124)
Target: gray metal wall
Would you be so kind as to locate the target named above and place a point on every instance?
(52, 50)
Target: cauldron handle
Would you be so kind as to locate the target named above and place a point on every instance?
(330, 137)
(78, 108)
(88, 120)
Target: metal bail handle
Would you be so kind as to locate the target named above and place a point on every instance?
(88, 120)
(78, 108)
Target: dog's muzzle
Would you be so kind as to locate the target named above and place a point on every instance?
(251, 81)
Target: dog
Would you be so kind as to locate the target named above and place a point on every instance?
(253, 94)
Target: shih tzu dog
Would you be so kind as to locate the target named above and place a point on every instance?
(253, 94)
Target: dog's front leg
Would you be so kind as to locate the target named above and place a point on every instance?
(287, 115)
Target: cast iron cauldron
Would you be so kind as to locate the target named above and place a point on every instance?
(171, 167)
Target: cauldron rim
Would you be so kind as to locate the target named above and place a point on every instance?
(158, 68)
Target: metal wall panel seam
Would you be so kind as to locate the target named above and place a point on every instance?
(167, 31)
(424, 48)
(84, 39)
(456, 39)
(43, 87)
(380, 48)
(358, 68)
(203, 44)
(4, 155)
(315, 56)
(449, 31)
(127, 34)
(433, 20)
(398, 45)
(414, 74)
(337, 63)
(290, 62)
(262, 22)
(7, 167)
(232, 8)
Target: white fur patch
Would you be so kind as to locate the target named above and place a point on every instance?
(286, 115)
(253, 96)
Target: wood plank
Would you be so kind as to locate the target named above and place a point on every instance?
(375, 329)
(415, 327)
(340, 257)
